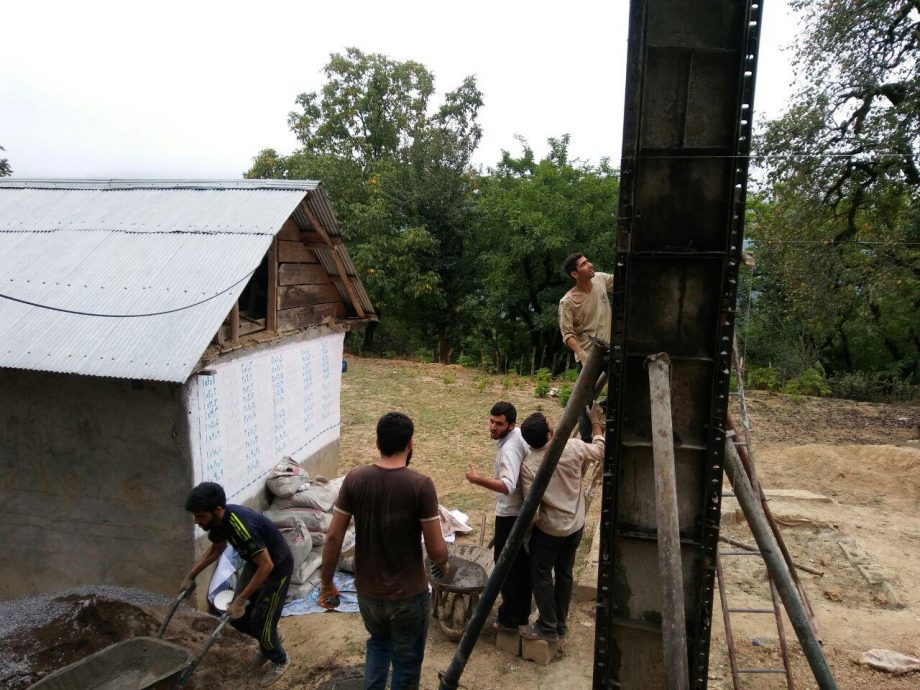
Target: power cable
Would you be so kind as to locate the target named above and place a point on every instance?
(127, 316)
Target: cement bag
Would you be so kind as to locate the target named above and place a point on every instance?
(299, 541)
(313, 520)
(287, 478)
(307, 568)
(319, 538)
(319, 494)
(347, 559)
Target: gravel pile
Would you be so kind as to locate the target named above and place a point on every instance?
(32, 611)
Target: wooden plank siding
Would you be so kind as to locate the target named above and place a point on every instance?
(271, 318)
(295, 252)
(300, 317)
(302, 274)
(304, 295)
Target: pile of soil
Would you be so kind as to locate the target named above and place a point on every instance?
(46, 633)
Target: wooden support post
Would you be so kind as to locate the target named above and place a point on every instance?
(235, 322)
(271, 316)
(673, 618)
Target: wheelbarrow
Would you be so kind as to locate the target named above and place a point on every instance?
(141, 662)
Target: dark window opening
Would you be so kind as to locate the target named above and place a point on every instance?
(254, 299)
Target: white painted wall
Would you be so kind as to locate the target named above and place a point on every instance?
(252, 410)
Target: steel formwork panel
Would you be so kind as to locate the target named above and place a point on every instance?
(689, 104)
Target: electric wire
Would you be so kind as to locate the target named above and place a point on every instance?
(127, 316)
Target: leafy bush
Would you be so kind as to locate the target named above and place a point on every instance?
(763, 378)
(543, 375)
(448, 379)
(541, 390)
(425, 355)
(507, 382)
(872, 387)
(565, 392)
(810, 382)
(482, 384)
(468, 361)
(569, 375)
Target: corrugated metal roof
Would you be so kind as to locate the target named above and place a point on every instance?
(121, 253)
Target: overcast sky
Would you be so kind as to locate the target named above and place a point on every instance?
(194, 89)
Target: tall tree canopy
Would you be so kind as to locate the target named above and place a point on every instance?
(838, 236)
(5, 169)
(398, 171)
(532, 214)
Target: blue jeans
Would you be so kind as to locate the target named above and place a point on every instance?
(398, 630)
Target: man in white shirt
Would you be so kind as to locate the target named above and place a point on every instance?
(510, 450)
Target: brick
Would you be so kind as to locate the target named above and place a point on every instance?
(510, 643)
(540, 652)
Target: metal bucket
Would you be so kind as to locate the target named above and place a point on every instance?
(453, 604)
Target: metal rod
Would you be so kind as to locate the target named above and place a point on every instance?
(729, 639)
(783, 649)
(748, 464)
(752, 547)
(673, 617)
(584, 388)
(776, 566)
(172, 609)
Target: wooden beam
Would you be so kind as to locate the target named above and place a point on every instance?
(301, 317)
(295, 252)
(302, 295)
(339, 264)
(314, 222)
(302, 274)
(235, 322)
(346, 281)
(271, 315)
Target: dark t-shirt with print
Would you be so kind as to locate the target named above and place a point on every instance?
(388, 507)
(250, 532)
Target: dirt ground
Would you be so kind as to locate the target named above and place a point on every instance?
(862, 457)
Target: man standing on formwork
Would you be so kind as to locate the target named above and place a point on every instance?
(510, 450)
(584, 312)
(560, 521)
(256, 608)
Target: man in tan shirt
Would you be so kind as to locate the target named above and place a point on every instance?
(584, 311)
(560, 520)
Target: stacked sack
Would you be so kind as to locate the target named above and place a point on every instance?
(302, 511)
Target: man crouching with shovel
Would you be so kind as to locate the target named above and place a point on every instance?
(256, 608)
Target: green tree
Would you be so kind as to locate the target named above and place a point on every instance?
(400, 180)
(532, 214)
(838, 241)
(5, 170)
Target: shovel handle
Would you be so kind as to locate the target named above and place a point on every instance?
(172, 609)
(204, 650)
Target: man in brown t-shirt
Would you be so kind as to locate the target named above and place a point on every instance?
(393, 507)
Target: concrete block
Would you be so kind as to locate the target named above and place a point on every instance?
(540, 652)
(510, 643)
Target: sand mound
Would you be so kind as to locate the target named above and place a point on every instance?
(857, 471)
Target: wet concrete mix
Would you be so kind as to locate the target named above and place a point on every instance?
(40, 634)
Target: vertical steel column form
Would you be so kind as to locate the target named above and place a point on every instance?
(581, 394)
(776, 566)
(673, 617)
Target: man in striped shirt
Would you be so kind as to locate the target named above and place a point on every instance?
(256, 608)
